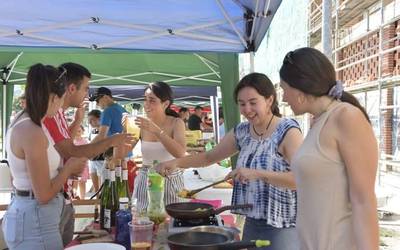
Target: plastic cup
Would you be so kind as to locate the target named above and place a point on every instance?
(131, 127)
(141, 234)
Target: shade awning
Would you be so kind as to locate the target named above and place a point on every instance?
(163, 25)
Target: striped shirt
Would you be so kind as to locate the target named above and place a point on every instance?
(59, 131)
(274, 204)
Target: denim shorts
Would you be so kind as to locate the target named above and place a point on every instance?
(30, 225)
(281, 238)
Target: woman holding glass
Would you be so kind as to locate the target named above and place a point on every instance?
(162, 136)
(32, 219)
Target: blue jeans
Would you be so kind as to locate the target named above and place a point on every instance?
(281, 238)
(29, 225)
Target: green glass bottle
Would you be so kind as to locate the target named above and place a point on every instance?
(112, 203)
(104, 195)
(124, 188)
(118, 173)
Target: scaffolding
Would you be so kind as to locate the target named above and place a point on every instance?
(366, 56)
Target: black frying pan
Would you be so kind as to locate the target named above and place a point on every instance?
(194, 210)
(191, 240)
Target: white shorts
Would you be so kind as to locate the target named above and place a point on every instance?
(97, 167)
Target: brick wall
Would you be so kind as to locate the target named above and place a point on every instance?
(367, 71)
(360, 71)
(396, 54)
(387, 124)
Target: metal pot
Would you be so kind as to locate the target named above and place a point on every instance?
(233, 234)
(191, 240)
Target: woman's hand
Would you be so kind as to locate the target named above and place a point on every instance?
(243, 175)
(166, 168)
(75, 165)
(148, 125)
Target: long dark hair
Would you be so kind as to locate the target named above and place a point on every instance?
(163, 91)
(263, 85)
(311, 72)
(43, 80)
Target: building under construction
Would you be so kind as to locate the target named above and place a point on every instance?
(365, 44)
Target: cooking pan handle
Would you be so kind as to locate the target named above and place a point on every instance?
(244, 244)
(224, 208)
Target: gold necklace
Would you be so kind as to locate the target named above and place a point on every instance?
(266, 130)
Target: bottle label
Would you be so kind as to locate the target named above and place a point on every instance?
(112, 175)
(118, 171)
(107, 174)
(123, 206)
(125, 174)
(107, 218)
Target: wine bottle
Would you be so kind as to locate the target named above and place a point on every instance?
(124, 188)
(104, 195)
(118, 173)
(112, 203)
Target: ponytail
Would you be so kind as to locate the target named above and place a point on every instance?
(42, 80)
(37, 93)
(349, 98)
(171, 112)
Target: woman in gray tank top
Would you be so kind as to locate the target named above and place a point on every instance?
(335, 167)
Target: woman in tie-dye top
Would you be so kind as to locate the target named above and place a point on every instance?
(265, 143)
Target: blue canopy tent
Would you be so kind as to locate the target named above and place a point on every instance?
(91, 28)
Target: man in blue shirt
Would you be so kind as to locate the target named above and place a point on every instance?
(111, 117)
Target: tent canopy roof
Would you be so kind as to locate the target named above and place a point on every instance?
(121, 68)
(162, 25)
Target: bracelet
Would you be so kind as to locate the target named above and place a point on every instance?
(161, 132)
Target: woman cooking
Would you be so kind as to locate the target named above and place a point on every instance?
(162, 136)
(265, 143)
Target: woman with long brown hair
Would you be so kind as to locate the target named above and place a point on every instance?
(335, 168)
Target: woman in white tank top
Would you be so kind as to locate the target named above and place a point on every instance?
(32, 219)
(162, 139)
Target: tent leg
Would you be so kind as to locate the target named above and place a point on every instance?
(214, 110)
(229, 69)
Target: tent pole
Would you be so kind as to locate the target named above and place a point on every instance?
(8, 94)
(251, 59)
(214, 110)
(229, 70)
(3, 121)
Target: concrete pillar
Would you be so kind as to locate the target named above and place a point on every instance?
(327, 28)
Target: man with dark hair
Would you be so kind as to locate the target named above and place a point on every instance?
(77, 89)
(195, 121)
(111, 117)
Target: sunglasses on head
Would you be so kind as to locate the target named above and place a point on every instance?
(60, 83)
(288, 58)
(62, 74)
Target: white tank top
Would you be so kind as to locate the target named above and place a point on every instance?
(154, 151)
(18, 168)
